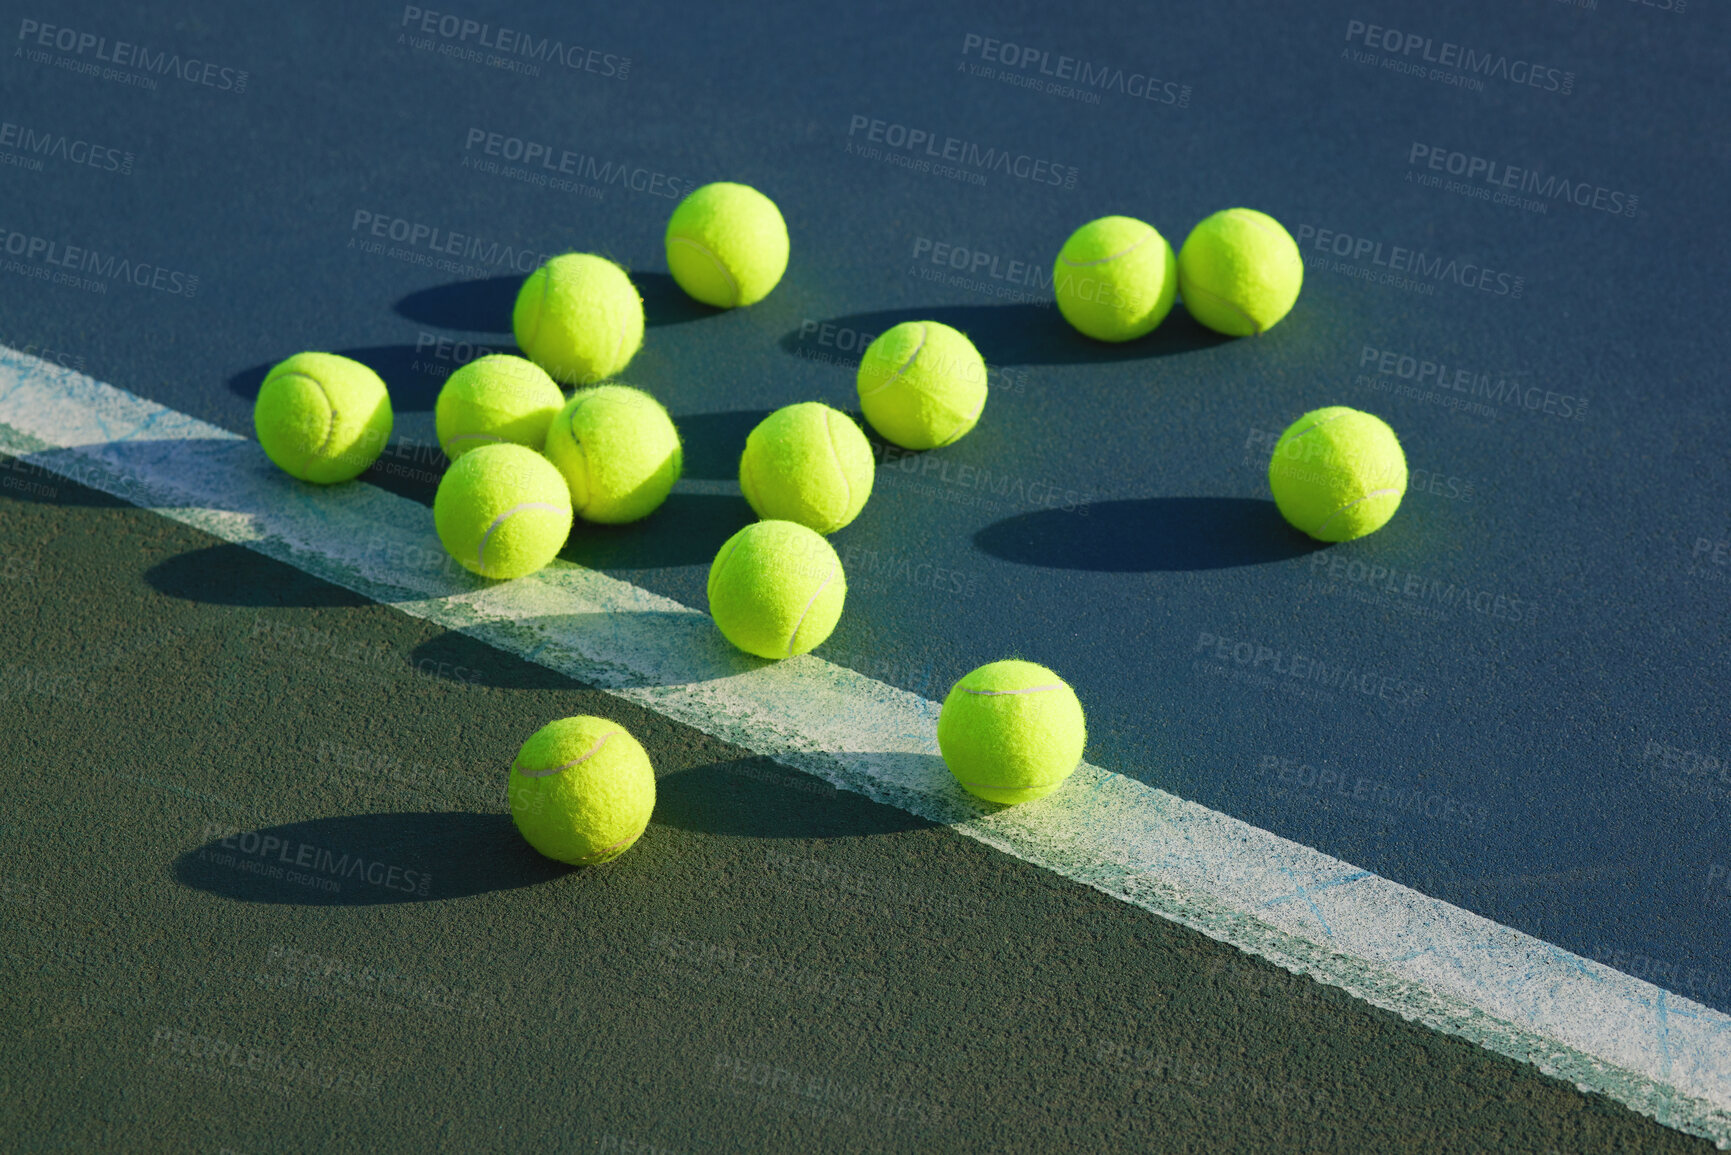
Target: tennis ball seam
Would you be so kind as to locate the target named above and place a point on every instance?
(1314, 426)
(582, 455)
(481, 551)
(721, 268)
(1350, 504)
(1254, 223)
(578, 761)
(1198, 290)
(805, 613)
(967, 424)
(841, 470)
(906, 365)
(330, 408)
(606, 851)
(996, 693)
(1105, 260)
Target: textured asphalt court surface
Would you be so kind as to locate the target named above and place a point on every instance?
(777, 966)
(1567, 700)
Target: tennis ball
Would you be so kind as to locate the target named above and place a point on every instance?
(807, 463)
(322, 417)
(1337, 473)
(1011, 731)
(492, 399)
(1115, 279)
(581, 790)
(1239, 272)
(502, 510)
(922, 384)
(618, 450)
(727, 245)
(776, 589)
(579, 318)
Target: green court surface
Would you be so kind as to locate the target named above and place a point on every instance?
(777, 966)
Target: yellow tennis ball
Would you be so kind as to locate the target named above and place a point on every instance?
(618, 451)
(1239, 272)
(322, 417)
(727, 245)
(502, 511)
(922, 384)
(581, 790)
(493, 399)
(1115, 279)
(579, 317)
(1337, 473)
(776, 589)
(1011, 731)
(807, 463)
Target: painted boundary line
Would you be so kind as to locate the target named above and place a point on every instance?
(1428, 961)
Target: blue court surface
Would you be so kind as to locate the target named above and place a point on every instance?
(1510, 700)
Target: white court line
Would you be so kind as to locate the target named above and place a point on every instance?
(1431, 962)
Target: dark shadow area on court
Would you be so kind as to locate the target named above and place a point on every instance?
(29, 479)
(482, 305)
(688, 529)
(456, 658)
(232, 575)
(367, 860)
(665, 303)
(1148, 534)
(760, 798)
(714, 441)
